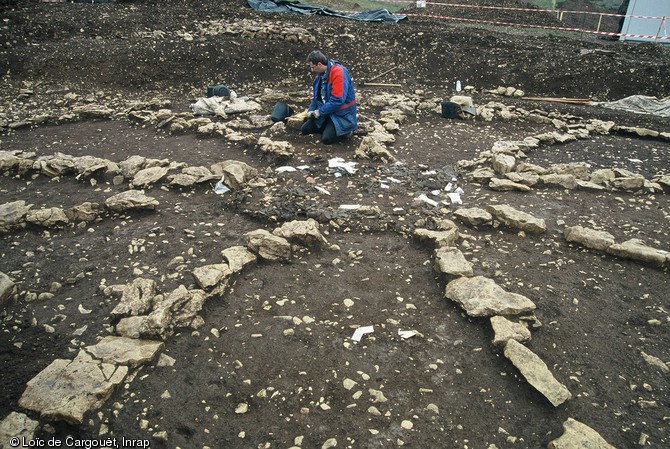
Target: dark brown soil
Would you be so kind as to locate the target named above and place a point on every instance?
(598, 312)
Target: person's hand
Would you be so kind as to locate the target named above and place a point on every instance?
(314, 114)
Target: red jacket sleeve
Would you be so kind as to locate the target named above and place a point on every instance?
(336, 81)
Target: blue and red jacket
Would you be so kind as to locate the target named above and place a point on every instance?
(335, 98)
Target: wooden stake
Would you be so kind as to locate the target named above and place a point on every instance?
(380, 84)
(583, 101)
(383, 73)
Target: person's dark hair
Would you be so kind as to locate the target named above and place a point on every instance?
(316, 56)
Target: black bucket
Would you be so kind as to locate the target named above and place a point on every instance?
(280, 111)
(218, 90)
(450, 109)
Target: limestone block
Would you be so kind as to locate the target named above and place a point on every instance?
(506, 185)
(125, 351)
(149, 176)
(481, 296)
(305, 232)
(637, 250)
(12, 215)
(452, 262)
(268, 246)
(137, 298)
(577, 435)
(566, 181)
(505, 330)
(7, 288)
(440, 238)
(238, 257)
(130, 199)
(67, 390)
(514, 218)
(17, 425)
(475, 216)
(536, 372)
(590, 238)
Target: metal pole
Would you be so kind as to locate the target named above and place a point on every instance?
(581, 33)
(600, 19)
(658, 33)
(630, 12)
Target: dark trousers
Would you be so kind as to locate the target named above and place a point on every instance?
(327, 130)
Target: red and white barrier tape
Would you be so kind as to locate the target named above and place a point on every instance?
(504, 8)
(540, 26)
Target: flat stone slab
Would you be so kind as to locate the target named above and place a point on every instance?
(53, 216)
(125, 351)
(565, 181)
(507, 185)
(475, 216)
(236, 174)
(178, 308)
(305, 232)
(452, 261)
(481, 296)
(445, 238)
(637, 250)
(505, 330)
(268, 246)
(514, 218)
(7, 287)
(137, 298)
(527, 179)
(577, 435)
(17, 425)
(536, 373)
(209, 276)
(148, 176)
(590, 238)
(12, 215)
(68, 389)
(131, 200)
(238, 257)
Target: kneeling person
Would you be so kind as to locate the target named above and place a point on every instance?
(332, 111)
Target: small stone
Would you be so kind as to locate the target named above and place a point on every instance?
(330, 442)
(349, 384)
(374, 411)
(406, 424)
(83, 310)
(377, 395)
(161, 436)
(348, 302)
(242, 408)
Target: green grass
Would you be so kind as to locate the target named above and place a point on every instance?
(360, 5)
(372, 4)
(606, 4)
(543, 4)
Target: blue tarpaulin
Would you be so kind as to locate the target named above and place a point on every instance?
(374, 15)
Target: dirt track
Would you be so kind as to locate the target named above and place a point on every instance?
(279, 339)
